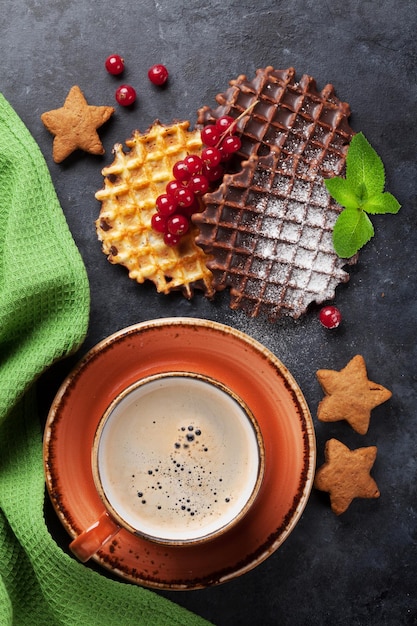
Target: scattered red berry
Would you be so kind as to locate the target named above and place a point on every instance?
(158, 74)
(115, 64)
(125, 95)
(330, 317)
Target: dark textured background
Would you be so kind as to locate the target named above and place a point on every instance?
(360, 568)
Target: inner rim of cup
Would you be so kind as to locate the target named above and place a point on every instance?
(182, 468)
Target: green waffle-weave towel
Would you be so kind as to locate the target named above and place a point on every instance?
(44, 310)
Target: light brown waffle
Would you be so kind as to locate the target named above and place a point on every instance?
(131, 185)
(269, 226)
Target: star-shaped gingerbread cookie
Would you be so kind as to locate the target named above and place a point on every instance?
(345, 474)
(75, 124)
(350, 395)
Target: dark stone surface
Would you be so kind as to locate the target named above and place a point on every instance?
(359, 568)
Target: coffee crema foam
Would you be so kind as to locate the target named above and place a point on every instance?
(178, 458)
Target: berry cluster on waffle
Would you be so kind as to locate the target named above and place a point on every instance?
(268, 227)
(132, 184)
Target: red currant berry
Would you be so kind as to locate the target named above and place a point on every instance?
(210, 135)
(178, 225)
(213, 173)
(188, 211)
(224, 123)
(180, 171)
(159, 222)
(198, 184)
(166, 204)
(231, 144)
(172, 187)
(184, 197)
(171, 240)
(115, 64)
(211, 156)
(158, 74)
(125, 95)
(330, 317)
(193, 163)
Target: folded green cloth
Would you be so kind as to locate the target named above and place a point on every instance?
(44, 310)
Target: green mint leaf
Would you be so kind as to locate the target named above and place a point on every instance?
(352, 230)
(382, 203)
(361, 192)
(364, 169)
(342, 192)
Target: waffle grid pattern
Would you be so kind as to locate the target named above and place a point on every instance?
(132, 183)
(290, 116)
(269, 226)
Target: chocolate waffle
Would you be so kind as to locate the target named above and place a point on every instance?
(269, 226)
(131, 185)
(288, 115)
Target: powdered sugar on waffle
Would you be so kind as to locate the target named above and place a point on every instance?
(269, 226)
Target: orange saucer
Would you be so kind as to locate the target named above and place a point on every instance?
(243, 365)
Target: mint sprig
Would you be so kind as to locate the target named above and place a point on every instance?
(361, 192)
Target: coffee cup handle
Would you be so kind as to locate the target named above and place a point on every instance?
(94, 537)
